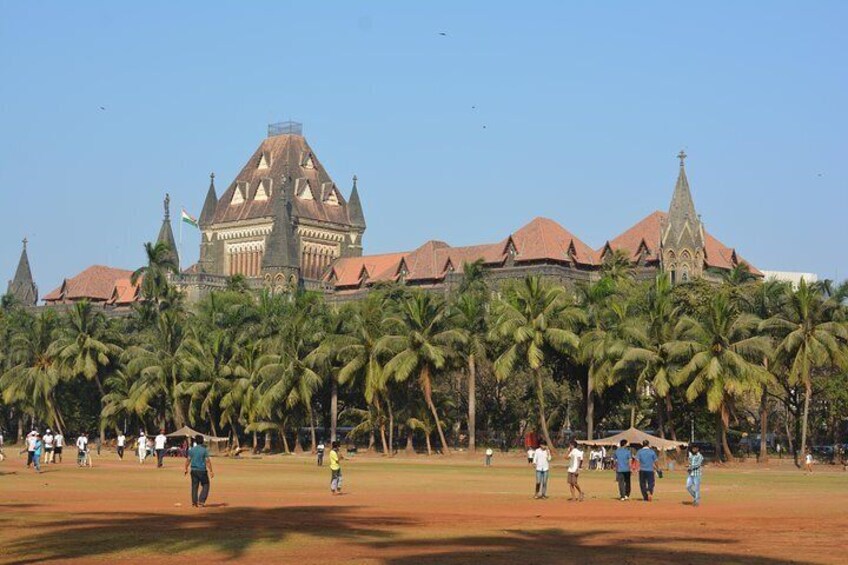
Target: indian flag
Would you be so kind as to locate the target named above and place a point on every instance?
(188, 218)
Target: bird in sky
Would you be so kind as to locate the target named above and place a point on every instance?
(443, 34)
(103, 107)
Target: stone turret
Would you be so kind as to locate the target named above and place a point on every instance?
(682, 241)
(166, 234)
(280, 262)
(206, 262)
(22, 287)
(357, 221)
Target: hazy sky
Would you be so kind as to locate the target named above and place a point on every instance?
(565, 110)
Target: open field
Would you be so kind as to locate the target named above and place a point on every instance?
(411, 511)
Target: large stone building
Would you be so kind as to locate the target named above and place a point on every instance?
(283, 223)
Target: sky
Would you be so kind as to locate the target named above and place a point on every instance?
(572, 111)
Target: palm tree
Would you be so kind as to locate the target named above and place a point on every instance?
(30, 381)
(646, 359)
(809, 338)
(469, 315)
(154, 276)
(722, 356)
(420, 345)
(157, 366)
(617, 267)
(534, 320)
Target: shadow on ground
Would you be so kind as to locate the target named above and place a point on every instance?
(230, 531)
(558, 546)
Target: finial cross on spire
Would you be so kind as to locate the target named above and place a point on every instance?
(212, 176)
(167, 205)
(682, 156)
(25, 241)
(354, 180)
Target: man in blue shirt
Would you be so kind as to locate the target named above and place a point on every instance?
(647, 458)
(693, 480)
(198, 460)
(622, 469)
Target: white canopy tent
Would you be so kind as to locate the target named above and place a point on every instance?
(186, 432)
(636, 437)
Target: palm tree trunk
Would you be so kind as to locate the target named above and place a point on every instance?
(372, 439)
(428, 396)
(20, 428)
(410, 449)
(429, 446)
(540, 398)
(391, 427)
(382, 424)
(668, 421)
(725, 421)
(312, 438)
(763, 457)
(808, 393)
(590, 407)
(472, 404)
(660, 417)
(286, 449)
(334, 406)
(255, 442)
(267, 447)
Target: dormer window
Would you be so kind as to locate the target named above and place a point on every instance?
(307, 162)
(263, 191)
(330, 194)
(239, 194)
(304, 191)
(264, 161)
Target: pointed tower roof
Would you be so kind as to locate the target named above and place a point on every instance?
(207, 215)
(281, 248)
(683, 221)
(22, 286)
(354, 207)
(166, 235)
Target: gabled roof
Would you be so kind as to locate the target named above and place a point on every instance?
(544, 239)
(124, 292)
(348, 271)
(288, 154)
(96, 283)
(648, 230)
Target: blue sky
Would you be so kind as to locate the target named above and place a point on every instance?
(584, 106)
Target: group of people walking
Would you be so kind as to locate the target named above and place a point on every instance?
(644, 463)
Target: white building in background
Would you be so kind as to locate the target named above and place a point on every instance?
(792, 277)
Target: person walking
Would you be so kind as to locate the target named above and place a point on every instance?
(30, 446)
(647, 458)
(321, 454)
(575, 462)
(48, 441)
(542, 463)
(622, 469)
(58, 447)
(808, 461)
(159, 445)
(693, 479)
(200, 465)
(142, 447)
(489, 454)
(122, 443)
(335, 469)
(82, 449)
(37, 452)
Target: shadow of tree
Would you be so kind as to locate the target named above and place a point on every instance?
(230, 531)
(558, 546)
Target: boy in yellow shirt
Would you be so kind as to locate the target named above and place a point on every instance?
(335, 469)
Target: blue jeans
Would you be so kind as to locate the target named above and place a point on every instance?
(693, 485)
(541, 483)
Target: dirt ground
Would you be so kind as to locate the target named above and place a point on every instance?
(278, 509)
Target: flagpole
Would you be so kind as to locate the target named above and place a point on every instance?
(181, 235)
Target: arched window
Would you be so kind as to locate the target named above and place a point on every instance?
(684, 275)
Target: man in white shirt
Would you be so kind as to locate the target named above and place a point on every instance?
(321, 454)
(48, 440)
(58, 447)
(31, 440)
(82, 450)
(159, 446)
(575, 462)
(542, 464)
(530, 453)
(489, 454)
(142, 447)
(122, 443)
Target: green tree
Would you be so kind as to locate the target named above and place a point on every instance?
(809, 337)
(534, 321)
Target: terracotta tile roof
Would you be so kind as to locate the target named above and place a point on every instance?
(544, 239)
(348, 271)
(428, 262)
(286, 153)
(648, 230)
(124, 292)
(96, 283)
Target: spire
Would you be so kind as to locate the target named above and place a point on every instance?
(166, 235)
(281, 249)
(207, 215)
(354, 207)
(22, 286)
(681, 212)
